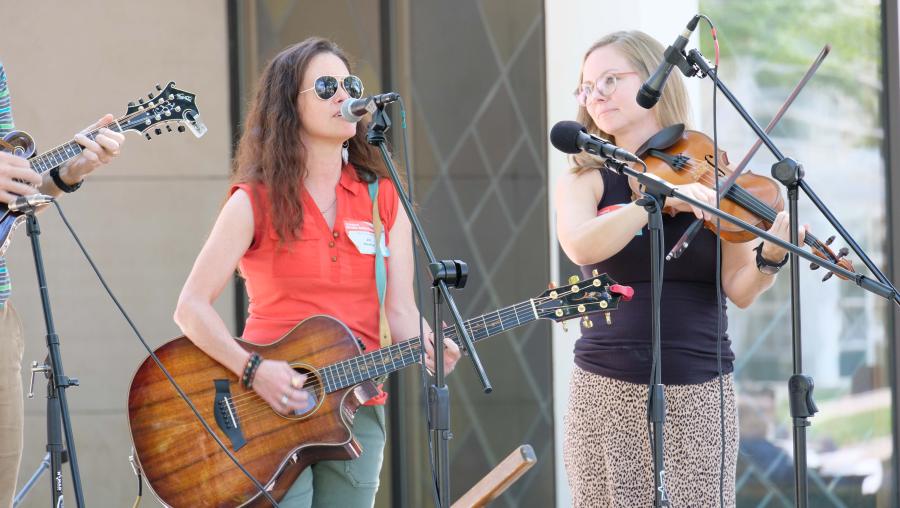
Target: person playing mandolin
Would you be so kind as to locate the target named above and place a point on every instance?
(607, 453)
(17, 178)
(299, 224)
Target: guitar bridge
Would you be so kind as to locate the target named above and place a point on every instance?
(226, 414)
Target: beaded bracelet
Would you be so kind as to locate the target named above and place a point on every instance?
(250, 370)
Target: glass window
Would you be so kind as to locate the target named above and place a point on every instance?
(766, 46)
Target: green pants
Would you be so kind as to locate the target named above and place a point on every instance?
(344, 483)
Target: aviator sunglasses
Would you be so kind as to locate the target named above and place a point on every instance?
(327, 86)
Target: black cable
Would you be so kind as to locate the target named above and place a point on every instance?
(719, 304)
(158, 362)
(422, 370)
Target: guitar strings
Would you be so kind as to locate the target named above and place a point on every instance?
(357, 362)
(250, 399)
(450, 331)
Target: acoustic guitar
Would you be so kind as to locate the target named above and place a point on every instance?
(186, 468)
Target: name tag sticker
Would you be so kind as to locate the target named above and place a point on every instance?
(362, 234)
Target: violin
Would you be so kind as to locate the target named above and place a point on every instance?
(681, 156)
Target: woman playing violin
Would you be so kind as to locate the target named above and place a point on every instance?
(607, 452)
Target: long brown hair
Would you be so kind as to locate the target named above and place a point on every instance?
(272, 154)
(644, 53)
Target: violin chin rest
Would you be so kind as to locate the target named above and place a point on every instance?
(662, 139)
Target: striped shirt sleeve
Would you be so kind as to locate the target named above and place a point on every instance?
(6, 117)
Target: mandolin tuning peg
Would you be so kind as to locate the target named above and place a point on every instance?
(168, 128)
(181, 128)
(830, 239)
(595, 273)
(843, 252)
(147, 135)
(586, 322)
(827, 276)
(158, 88)
(149, 95)
(813, 266)
(158, 131)
(141, 101)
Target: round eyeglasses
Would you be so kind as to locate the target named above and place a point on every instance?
(603, 87)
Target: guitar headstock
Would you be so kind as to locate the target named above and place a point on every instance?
(581, 297)
(169, 106)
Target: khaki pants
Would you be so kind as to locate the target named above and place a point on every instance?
(12, 411)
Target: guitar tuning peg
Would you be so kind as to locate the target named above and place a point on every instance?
(827, 276)
(169, 128)
(813, 266)
(147, 135)
(843, 252)
(830, 239)
(158, 132)
(595, 272)
(181, 128)
(141, 101)
(149, 95)
(586, 322)
(158, 88)
(574, 279)
(608, 316)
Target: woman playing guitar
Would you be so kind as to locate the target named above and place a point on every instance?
(607, 453)
(299, 224)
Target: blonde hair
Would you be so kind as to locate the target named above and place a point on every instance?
(644, 53)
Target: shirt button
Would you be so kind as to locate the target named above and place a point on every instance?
(334, 258)
(336, 234)
(331, 244)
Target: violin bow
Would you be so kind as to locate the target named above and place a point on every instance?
(694, 228)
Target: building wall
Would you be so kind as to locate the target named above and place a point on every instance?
(572, 26)
(143, 218)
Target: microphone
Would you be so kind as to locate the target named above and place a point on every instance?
(571, 137)
(353, 110)
(651, 90)
(23, 203)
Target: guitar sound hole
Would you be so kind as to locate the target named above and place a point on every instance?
(314, 392)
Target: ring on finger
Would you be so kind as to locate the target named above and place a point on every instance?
(284, 399)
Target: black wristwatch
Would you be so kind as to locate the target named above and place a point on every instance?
(764, 265)
(63, 186)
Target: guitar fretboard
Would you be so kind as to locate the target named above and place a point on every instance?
(397, 356)
(59, 155)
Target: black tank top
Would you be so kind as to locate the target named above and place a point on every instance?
(688, 314)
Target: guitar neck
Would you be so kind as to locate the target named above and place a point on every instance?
(403, 354)
(65, 152)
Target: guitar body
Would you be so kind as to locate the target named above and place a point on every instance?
(184, 465)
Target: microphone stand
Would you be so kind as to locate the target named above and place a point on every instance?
(790, 173)
(57, 404)
(800, 386)
(653, 201)
(444, 274)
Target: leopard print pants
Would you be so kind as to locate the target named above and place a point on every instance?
(607, 450)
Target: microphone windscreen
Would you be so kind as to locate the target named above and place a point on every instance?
(348, 115)
(564, 136)
(647, 97)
